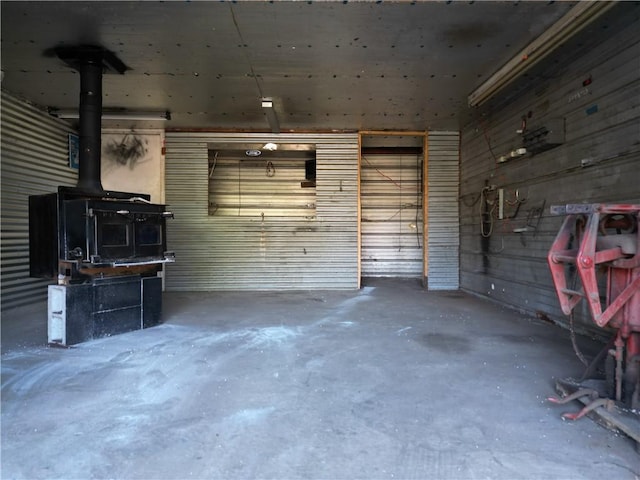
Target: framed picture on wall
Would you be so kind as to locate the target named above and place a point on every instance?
(74, 151)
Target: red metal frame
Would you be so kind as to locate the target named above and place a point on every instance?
(596, 251)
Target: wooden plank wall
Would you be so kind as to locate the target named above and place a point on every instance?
(599, 162)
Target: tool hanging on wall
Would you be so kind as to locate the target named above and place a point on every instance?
(270, 170)
(517, 201)
(534, 215)
(488, 205)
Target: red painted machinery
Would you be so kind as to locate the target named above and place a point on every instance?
(598, 246)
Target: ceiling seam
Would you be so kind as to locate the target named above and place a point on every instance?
(244, 44)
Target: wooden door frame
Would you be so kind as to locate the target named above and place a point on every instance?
(425, 171)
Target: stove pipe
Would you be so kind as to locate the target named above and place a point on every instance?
(91, 61)
(90, 119)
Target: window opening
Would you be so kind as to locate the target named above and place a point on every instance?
(254, 182)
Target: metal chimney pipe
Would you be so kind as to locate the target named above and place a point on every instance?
(90, 124)
(91, 61)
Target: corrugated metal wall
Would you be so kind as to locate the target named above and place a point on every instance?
(269, 185)
(599, 161)
(252, 252)
(391, 203)
(34, 160)
(442, 210)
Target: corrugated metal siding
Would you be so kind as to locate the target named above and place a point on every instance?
(268, 185)
(34, 160)
(443, 211)
(391, 203)
(251, 252)
(602, 129)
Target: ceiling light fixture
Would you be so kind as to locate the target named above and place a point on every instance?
(115, 115)
(574, 21)
(267, 106)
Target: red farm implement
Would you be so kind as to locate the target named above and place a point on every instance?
(596, 258)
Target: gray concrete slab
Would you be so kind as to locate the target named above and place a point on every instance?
(387, 382)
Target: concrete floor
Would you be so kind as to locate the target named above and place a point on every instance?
(387, 382)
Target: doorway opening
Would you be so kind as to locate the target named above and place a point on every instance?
(392, 204)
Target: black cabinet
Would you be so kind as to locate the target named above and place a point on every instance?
(106, 306)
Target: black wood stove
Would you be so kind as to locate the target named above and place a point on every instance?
(105, 248)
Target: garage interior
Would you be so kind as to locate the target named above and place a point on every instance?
(364, 196)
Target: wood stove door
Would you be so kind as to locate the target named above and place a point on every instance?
(149, 231)
(114, 236)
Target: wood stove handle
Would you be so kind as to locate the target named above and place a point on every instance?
(139, 199)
